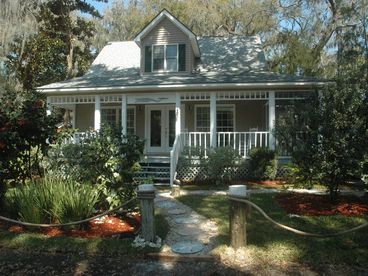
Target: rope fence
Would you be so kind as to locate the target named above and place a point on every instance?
(293, 230)
(28, 224)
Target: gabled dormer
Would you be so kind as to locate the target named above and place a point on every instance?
(167, 46)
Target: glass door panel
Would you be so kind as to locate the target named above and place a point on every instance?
(156, 128)
(171, 127)
(160, 129)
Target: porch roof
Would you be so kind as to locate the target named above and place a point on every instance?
(231, 60)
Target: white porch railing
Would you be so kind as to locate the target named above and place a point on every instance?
(79, 137)
(196, 139)
(174, 157)
(243, 142)
(240, 141)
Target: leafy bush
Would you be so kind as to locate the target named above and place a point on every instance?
(263, 163)
(294, 176)
(24, 130)
(52, 199)
(192, 155)
(334, 136)
(105, 159)
(221, 163)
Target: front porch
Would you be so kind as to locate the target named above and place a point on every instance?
(170, 122)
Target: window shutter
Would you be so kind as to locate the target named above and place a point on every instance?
(148, 59)
(182, 57)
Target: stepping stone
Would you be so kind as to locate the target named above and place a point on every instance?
(187, 247)
(186, 220)
(188, 231)
(176, 212)
(166, 204)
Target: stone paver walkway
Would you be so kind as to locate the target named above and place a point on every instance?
(190, 233)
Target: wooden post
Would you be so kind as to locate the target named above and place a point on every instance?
(146, 195)
(238, 216)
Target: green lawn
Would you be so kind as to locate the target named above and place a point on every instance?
(108, 246)
(267, 242)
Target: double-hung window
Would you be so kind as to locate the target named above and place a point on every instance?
(158, 58)
(112, 115)
(165, 58)
(225, 118)
(171, 58)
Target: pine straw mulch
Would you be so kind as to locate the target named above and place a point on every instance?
(103, 227)
(317, 205)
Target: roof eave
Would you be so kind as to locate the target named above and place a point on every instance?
(171, 87)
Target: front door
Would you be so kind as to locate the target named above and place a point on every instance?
(160, 128)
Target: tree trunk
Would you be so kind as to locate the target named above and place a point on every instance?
(2, 194)
(333, 189)
(69, 59)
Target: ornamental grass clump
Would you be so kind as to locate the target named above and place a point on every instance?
(52, 200)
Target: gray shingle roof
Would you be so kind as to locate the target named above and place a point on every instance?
(237, 59)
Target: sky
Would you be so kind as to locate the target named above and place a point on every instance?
(100, 6)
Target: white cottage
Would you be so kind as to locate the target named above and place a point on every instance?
(175, 89)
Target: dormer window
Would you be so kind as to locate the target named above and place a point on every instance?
(165, 58)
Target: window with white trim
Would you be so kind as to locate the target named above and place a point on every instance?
(165, 58)
(225, 117)
(108, 116)
(112, 115)
(202, 118)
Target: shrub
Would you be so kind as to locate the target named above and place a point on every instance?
(192, 155)
(294, 176)
(24, 130)
(105, 159)
(262, 163)
(221, 163)
(327, 134)
(52, 200)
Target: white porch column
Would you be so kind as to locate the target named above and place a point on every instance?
(271, 120)
(124, 115)
(73, 115)
(48, 106)
(213, 112)
(97, 112)
(177, 114)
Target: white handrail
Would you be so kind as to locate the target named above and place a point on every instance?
(79, 137)
(174, 157)
(240, 141)
(196, 139)
(243, 142)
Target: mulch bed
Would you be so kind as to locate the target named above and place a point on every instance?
(106, 226)
(266, 183)
(317, 205)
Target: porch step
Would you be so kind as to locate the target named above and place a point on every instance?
(156, 168)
